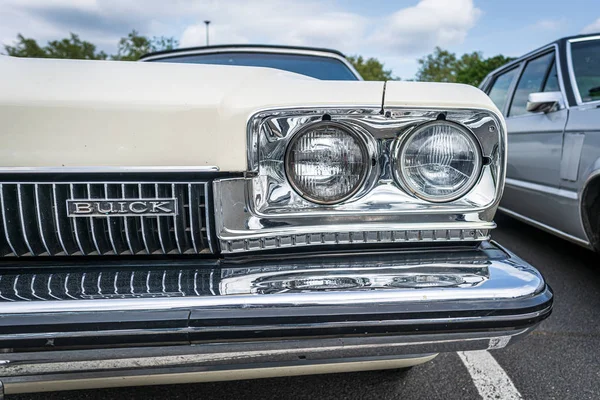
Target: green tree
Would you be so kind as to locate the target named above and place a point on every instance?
(473, 68)
(370, 69)
(71, 47)
(132, 47)
(440, 66)
(470, 68)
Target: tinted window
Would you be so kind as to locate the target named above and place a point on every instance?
(500, 88)
(586, 66)
(552, 80)
(325, 68)
(531, 81)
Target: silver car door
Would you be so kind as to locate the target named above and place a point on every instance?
(535, 145)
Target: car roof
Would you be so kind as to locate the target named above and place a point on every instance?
(287, 49)
(561, 43)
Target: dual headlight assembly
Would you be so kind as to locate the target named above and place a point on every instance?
(330, 162)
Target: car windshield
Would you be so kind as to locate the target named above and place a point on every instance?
(586, 66)
(325, 68)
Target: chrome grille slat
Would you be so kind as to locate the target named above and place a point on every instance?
(109, 224)
(192, 224)
(57, 219)
(207, 217)
(159, 224)
(175, 221)
(22, 220)
(38, 214)
(105, 284)
(75, 222)
(5, 224)
(35, 221)
(126, 223)
(143, 223)
(93, 224)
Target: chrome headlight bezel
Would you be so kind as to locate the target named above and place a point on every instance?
(363, 144)
(402, 176)
(262, 211)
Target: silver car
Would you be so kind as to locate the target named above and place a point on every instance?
(551, 100)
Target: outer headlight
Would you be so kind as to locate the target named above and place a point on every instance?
(439, 162)
(326, 162)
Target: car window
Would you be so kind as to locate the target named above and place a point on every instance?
(499, 91)
(531, 81)
(325, 68)
(586, 67)
(552, 84)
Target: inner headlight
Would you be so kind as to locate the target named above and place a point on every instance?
(439, 162)
(326, 163)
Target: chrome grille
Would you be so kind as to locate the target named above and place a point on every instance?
(35, 223)
(108, 284)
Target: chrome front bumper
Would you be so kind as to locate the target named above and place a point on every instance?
(190, 320)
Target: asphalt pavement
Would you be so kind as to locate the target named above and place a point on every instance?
(560, 360)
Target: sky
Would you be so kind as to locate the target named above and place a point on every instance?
(396, 32)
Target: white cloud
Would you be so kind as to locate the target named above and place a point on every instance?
(407, 33)
(593, 27)
(430, 23)
(550, 24)
(282, 22)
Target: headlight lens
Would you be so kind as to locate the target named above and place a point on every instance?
(439, 162)
(327, 163)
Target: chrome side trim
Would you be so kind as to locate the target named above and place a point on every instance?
(106, 169)
(547, 228)
(568, 194)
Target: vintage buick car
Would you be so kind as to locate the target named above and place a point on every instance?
(551, 100)
(168, 223)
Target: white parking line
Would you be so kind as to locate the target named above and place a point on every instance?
(489, 378)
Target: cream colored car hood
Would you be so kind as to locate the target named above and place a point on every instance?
(56, 113)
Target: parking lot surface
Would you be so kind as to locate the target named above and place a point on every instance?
(560, 360)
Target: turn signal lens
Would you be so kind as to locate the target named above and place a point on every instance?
(326, 163)
(439, 162)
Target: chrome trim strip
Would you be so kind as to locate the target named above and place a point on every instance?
(107, 169)
(572, 77)
(546, 228)
(264, 328)
(568, 194)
